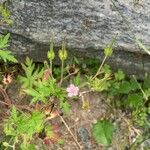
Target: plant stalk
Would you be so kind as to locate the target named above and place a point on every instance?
(62, 71)
(51, 68)
(99, 70)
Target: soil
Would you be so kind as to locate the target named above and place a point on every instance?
(81, 120)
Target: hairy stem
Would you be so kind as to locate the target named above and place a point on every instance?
(51, 68)
(62, 71)
(99, 70)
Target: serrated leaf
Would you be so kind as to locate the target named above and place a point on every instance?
(24, 124)
(125, 87)
(32, 74)
(103, 132)
(134, 85)
(14, 113)
(106, 69)
(65, 106)
(4, 41)
(134, 101)
(38, 95)
(119, 75)
(99, 84)
(6, 55)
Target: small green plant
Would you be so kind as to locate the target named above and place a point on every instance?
(5, 54)
(32, 74)
(40, 83)
(22, 127)
(5, 13)
(142, 46)
(63, 56)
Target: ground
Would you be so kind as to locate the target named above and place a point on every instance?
(80, 121)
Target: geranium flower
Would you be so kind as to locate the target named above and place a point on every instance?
(72, 90)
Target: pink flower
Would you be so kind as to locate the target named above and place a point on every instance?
(72, 90)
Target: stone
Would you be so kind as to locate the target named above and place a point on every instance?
(85, 138)
(87, 26)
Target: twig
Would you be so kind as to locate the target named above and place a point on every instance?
(84, 92)
(70, 74)
(80, 147)
(4, 94)
(17, 106)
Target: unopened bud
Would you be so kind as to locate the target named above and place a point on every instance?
(51, 55)
(62, 54)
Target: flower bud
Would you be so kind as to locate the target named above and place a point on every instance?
(108, 51)
(63, 52)
(51, 55)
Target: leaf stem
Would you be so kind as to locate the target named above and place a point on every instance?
(144, 95)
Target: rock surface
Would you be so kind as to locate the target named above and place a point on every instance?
(87, 26)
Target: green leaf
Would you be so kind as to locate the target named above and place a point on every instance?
(147, 92)
(99, 84)
(61, 141)
(76, 60)
(32, 74)
(106, 69)
(27, 146)
(125, 87)
(103, 132)
(5, 13)
(14, 113)
(49, 131)
(25, 125)
(4, 41)
(65, 106)
(119, 75)
(37, 96)
(6, 55)
(77, 80)
(134, 85)
(134, 101)
(6, 144)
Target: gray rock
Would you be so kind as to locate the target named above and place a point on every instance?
(87, 26)
(85, 138)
